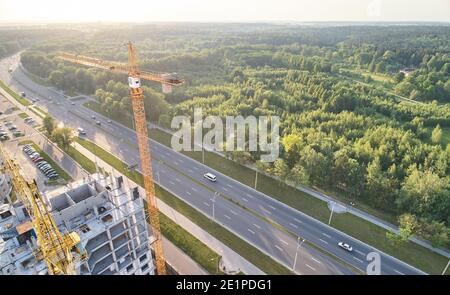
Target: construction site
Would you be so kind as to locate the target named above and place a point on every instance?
(95, 226)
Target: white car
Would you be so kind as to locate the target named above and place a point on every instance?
(210, 177)
(345, 246)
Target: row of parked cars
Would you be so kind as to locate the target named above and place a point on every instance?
(42, 165)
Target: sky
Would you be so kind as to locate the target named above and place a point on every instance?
(223, 10)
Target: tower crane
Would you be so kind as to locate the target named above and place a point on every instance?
(137, 97)
(53, 247)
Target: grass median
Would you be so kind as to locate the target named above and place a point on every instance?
(17, 97)
(252, 254)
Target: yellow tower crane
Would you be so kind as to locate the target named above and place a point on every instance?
(54, 248)
(137, 97)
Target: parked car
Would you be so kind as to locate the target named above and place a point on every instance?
(12, 127)
(23, 94)
(4, 137)
(18, 133)
(210, 177)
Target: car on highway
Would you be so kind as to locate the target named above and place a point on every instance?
(81, 131)
(93, 117)
(72, 103)
(345, 246)
(98, 122)
(23, 94)
(210, 177)
(109, 121)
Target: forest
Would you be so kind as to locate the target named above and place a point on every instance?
(365, 110)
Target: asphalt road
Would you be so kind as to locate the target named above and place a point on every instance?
(184, 177)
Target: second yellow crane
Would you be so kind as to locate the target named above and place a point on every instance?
(137, 97)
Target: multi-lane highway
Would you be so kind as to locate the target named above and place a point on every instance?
(184, 177)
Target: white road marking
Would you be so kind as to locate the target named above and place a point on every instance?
(283, 241)
(257, 226)
(272, 207)
(294, 225)
(310, 267)
(194, 189)
(177, 179)
(250, 231)
(189, 193)
(171, 182)
(328, 236)
(190, 171)
(358, 259)
(176, 163)
(317, 261)
(359, 252)
(265, 210)
(244, 199)
(167, 153)
(206, 204)
(399, 272)
(232, 212)
(228, 217)
(225, 189)
(229, 185)
(250, 196)
(181, 160)
(323, 241)
(279, 248)
(196, 168)
(299, 221)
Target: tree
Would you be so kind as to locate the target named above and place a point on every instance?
(407, 225)
(49, 124)
(399, 77)
(63, 137)
(280, 169)
(436, 135)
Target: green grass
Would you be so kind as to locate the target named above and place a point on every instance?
(23, 115)
(16, 96)
(36, 113)
(190, 245)
(81, 159)
(62, 174)
(258, 258)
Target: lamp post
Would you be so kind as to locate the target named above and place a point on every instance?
(296, 252)
(331, 214)
(213, 205)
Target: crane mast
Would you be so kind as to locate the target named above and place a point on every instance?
(137, 98)
(54, 248)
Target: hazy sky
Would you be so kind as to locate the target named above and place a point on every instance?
(223, 10)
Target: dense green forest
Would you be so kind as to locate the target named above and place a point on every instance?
(365, 110)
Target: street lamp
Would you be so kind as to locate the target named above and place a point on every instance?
(296, 252)
(213, 204)
(331, 214)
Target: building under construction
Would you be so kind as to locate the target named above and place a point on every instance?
(107, 215)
